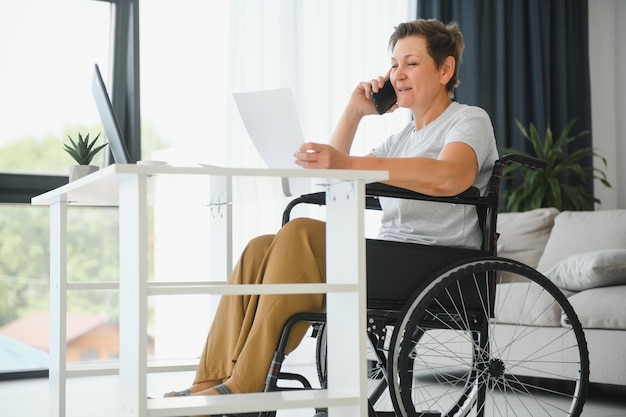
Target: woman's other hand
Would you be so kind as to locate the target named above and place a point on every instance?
(320, 156)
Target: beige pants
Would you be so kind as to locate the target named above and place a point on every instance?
(246, 329)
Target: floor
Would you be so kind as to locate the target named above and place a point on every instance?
(92, 397)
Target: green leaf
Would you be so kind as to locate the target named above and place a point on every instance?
(82, 150)
(563, 183)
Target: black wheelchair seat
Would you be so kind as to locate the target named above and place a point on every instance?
(395, 270)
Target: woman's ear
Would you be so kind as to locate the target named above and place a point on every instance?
(447, 69)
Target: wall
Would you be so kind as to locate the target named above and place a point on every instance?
(607, 53)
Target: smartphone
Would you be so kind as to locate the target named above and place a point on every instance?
(385, 98)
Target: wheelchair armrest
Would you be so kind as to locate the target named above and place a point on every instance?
(471, 196)
(376, 190)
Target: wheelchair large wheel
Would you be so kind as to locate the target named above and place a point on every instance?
(462, 349)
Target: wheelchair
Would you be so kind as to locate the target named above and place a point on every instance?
(455, 336)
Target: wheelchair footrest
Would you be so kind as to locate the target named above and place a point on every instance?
(288, 376)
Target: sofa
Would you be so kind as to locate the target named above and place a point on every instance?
(584, 254)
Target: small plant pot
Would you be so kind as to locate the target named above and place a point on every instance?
(79, 171)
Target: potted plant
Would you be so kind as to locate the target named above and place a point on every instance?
(562, 184)
(82, 151)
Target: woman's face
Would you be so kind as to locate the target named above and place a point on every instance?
(414, 75)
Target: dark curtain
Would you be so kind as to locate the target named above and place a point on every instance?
(524, 59)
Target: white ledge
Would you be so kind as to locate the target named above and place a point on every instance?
(245, 403)
(113, 368)
(172, 288)
(215, 287)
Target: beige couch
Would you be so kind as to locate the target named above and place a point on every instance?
(584, 253)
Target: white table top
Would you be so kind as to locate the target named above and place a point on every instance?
(101, 187)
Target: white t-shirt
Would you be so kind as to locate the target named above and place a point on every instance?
(430, 222)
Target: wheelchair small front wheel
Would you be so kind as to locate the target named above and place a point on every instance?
(379, 402)
(489, 337)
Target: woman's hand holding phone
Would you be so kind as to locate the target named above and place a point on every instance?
(385, 98)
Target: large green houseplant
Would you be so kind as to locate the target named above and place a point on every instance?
(562, 184)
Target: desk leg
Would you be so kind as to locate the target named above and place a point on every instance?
(221, 227)
(58, 307)
(345, 263)
(133, 295)
(221, 259)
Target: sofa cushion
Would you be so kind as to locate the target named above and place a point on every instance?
(576, 232)
(587, 270)
(601, 308)
(523, 235)
(525, 302)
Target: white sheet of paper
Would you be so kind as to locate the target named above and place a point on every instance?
(271, 119)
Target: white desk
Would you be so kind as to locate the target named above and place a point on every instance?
(126, 187)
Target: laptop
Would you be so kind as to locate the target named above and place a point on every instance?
(109, 119)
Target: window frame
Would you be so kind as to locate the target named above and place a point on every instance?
(20, 188)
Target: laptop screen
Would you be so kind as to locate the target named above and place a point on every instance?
(109, 119)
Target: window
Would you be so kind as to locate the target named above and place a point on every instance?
(48, 49)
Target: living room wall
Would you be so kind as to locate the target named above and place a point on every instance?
(607, 60)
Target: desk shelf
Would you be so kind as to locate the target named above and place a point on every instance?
(217, 288)
(242, 403)
(113, 367)
(224, 289)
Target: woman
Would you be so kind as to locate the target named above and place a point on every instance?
(446, 149)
